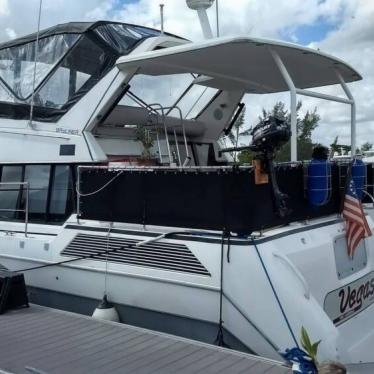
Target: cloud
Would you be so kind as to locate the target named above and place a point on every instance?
(10, 33)
(4, 9)
(351, 39)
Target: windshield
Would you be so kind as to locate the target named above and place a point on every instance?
(61, 67)
(17, 64)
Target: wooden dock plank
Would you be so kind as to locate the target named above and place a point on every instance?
(55, 342)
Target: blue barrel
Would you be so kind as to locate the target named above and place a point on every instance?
(359, 176)
(319, 182)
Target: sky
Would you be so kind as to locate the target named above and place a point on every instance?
(343, 28)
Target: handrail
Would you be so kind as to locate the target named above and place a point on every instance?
(296, 272)
(170, 108)
(26, 210)
(162, 109)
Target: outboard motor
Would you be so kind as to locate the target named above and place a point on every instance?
(267, 138)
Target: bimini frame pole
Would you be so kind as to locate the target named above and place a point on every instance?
(298, 91)
(353, 113)
(292, 89)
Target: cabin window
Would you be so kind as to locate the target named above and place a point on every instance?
(51, 192)
(61, 191)
(163, 90)
(10, 193)
(38, 178)
(195, 100)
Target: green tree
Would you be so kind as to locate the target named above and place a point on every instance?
(340, 149)
(366, 147)
(334, 146)
(234, 136)
(305, 126)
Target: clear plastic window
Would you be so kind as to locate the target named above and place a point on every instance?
(79, 70)
(17, 63)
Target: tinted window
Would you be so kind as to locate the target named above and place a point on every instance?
(9, 193)
(51, 192)
(123, 37)
(38, 178)
(60, 190)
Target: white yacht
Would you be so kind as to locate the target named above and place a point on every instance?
(113, 182)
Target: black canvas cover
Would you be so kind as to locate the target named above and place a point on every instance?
(201, 199)
(66, 28)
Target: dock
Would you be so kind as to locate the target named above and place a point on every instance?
(42, 340)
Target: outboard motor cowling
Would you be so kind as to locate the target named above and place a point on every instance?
(267, 138)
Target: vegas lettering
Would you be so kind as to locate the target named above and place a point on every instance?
(353, 298)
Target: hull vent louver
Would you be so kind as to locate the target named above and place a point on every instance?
(157, 255)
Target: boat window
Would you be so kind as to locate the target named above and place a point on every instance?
(195, 100)
(9, 193)
(123, 37)
(38, 178)
(17, 63)
(77, 73)
(61, 189)
(5, 94)
(164, 90)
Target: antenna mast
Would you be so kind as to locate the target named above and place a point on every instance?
(217, 18)
(162, 17)
(201, 6)
(36, 52)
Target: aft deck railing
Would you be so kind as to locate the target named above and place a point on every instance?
(26, 210)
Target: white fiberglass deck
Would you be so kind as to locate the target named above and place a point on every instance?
(44, 340)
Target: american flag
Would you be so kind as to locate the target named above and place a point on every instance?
(357, 227)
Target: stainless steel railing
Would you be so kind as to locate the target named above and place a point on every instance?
(26, 210)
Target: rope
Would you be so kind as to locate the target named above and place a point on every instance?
(100, 189)
(275, 293)
(36, 53)
(228, 247)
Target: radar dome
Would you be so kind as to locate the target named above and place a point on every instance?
(199, 4)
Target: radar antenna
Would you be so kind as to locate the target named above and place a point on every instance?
(201, 6)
